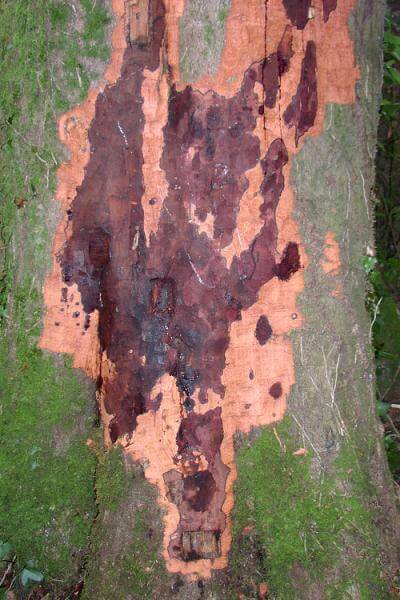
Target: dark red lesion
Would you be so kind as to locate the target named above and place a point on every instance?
(289, 263)
(263, 330)
(276, 65)
(298, 11)
(328, 7)
(276, 390)
(302, 110)
(166, 303)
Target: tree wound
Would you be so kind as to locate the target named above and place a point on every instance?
(167, 305)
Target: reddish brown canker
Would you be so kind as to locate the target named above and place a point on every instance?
(178, 255)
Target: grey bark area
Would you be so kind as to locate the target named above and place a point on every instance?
(202, 37)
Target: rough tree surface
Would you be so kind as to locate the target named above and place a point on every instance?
(206, 275)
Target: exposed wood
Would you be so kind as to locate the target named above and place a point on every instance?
(137, 21)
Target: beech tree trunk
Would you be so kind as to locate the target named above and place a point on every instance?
(207, 277)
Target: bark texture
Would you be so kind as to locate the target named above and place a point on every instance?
(207, 275)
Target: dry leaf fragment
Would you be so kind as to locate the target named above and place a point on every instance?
(300, 452)
(20, 202)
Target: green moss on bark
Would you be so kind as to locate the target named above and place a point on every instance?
(125, 559)
(46, 469)
(290, 529)
(50, 52)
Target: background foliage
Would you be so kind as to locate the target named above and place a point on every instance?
(383, 266)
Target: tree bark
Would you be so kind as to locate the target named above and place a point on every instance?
(207, 275)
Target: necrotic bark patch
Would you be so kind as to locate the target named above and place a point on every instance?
(275, 66)
(276, 390)
(173, 312)
(166, 303)
(198, 490)
(297, 11)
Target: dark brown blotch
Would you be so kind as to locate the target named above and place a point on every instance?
(263, 331)
(285, 51)
(302, 110)
(274, 66)
(276, 390)
(290, 262)
(328, 7)
(297, 11)
(198, 490)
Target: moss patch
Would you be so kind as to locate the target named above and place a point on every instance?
(111, 477)
(46, 469)
(125, 558)
(286, 523)
(50, 50)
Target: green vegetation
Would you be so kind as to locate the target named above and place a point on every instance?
(383, 269)
(127, 562)
(290, 521)
(49, 50)
(46, 68)
(46, 470)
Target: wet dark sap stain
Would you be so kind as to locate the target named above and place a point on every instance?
(166, 304)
